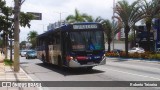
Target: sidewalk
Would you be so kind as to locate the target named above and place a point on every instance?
(7, 74)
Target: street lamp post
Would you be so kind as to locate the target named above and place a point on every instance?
(60, 16)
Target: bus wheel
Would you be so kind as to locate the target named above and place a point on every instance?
(59, 61)
(90, 68)
(43, 60)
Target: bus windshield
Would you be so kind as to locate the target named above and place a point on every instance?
(87, 40)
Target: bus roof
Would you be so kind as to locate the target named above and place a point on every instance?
(67, 27)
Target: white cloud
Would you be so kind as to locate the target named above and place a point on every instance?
(50, 10)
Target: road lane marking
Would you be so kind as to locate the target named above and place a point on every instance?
(133, 74)
(124, 65)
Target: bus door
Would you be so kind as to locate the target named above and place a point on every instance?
(47, 52)
(64, 47)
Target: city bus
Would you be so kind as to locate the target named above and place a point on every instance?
(73, 45)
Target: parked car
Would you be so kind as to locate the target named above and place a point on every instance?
(117, 51)
(31, 54)
(158, 50)
(136, 49)
(23, 53)
(12, 52)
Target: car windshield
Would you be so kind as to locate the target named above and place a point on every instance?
(24, 51)
(87, 40)
(141, 48)
(31, 52)
(134, 48)
(137, 48)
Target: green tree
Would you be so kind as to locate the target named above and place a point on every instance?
(78, 17)
(32, 38)
(6, 23)
(151, 10)
(129, 14)
(107, 25)
(25, 19)
(1, 42)
(17, 9)
(23, 44)
(111, 29)
(91, 19)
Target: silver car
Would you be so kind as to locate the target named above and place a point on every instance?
(136, 49)
(23, 53)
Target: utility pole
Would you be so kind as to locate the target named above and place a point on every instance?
(60, 16)
(16, 34)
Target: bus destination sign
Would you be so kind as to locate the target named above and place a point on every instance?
(93, 26)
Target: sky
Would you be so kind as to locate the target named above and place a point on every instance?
(51, 10)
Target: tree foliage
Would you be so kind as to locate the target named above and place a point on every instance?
(150, 9)
(111, 29)
(32, 38)
(25, 19)
(78, 17)
(7, 22)
(129, 14)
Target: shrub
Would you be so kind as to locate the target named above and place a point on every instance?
(134, 55)
(8, 62)
(158, 56)
(112, 54)
(146, 55)
(155, 56)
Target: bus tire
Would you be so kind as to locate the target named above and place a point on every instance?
(90, 68)
(59, 61)
(43, 59)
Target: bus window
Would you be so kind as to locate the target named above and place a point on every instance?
(87, 40)
(57, 37)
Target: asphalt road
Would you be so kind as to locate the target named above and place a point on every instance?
(114, 70)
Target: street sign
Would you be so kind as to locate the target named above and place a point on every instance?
(37, 16)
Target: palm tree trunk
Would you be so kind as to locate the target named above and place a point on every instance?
(109, 46)
(148, 26)
(5, 47)
(127, 29)
(134, 42)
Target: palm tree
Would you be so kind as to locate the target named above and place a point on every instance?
(151, 10)
(32, 38)
(78, 17)
(129, 14)
(111, 29)
(107, 25)
(89, 18)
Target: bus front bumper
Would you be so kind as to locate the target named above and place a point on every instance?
(75, 64)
